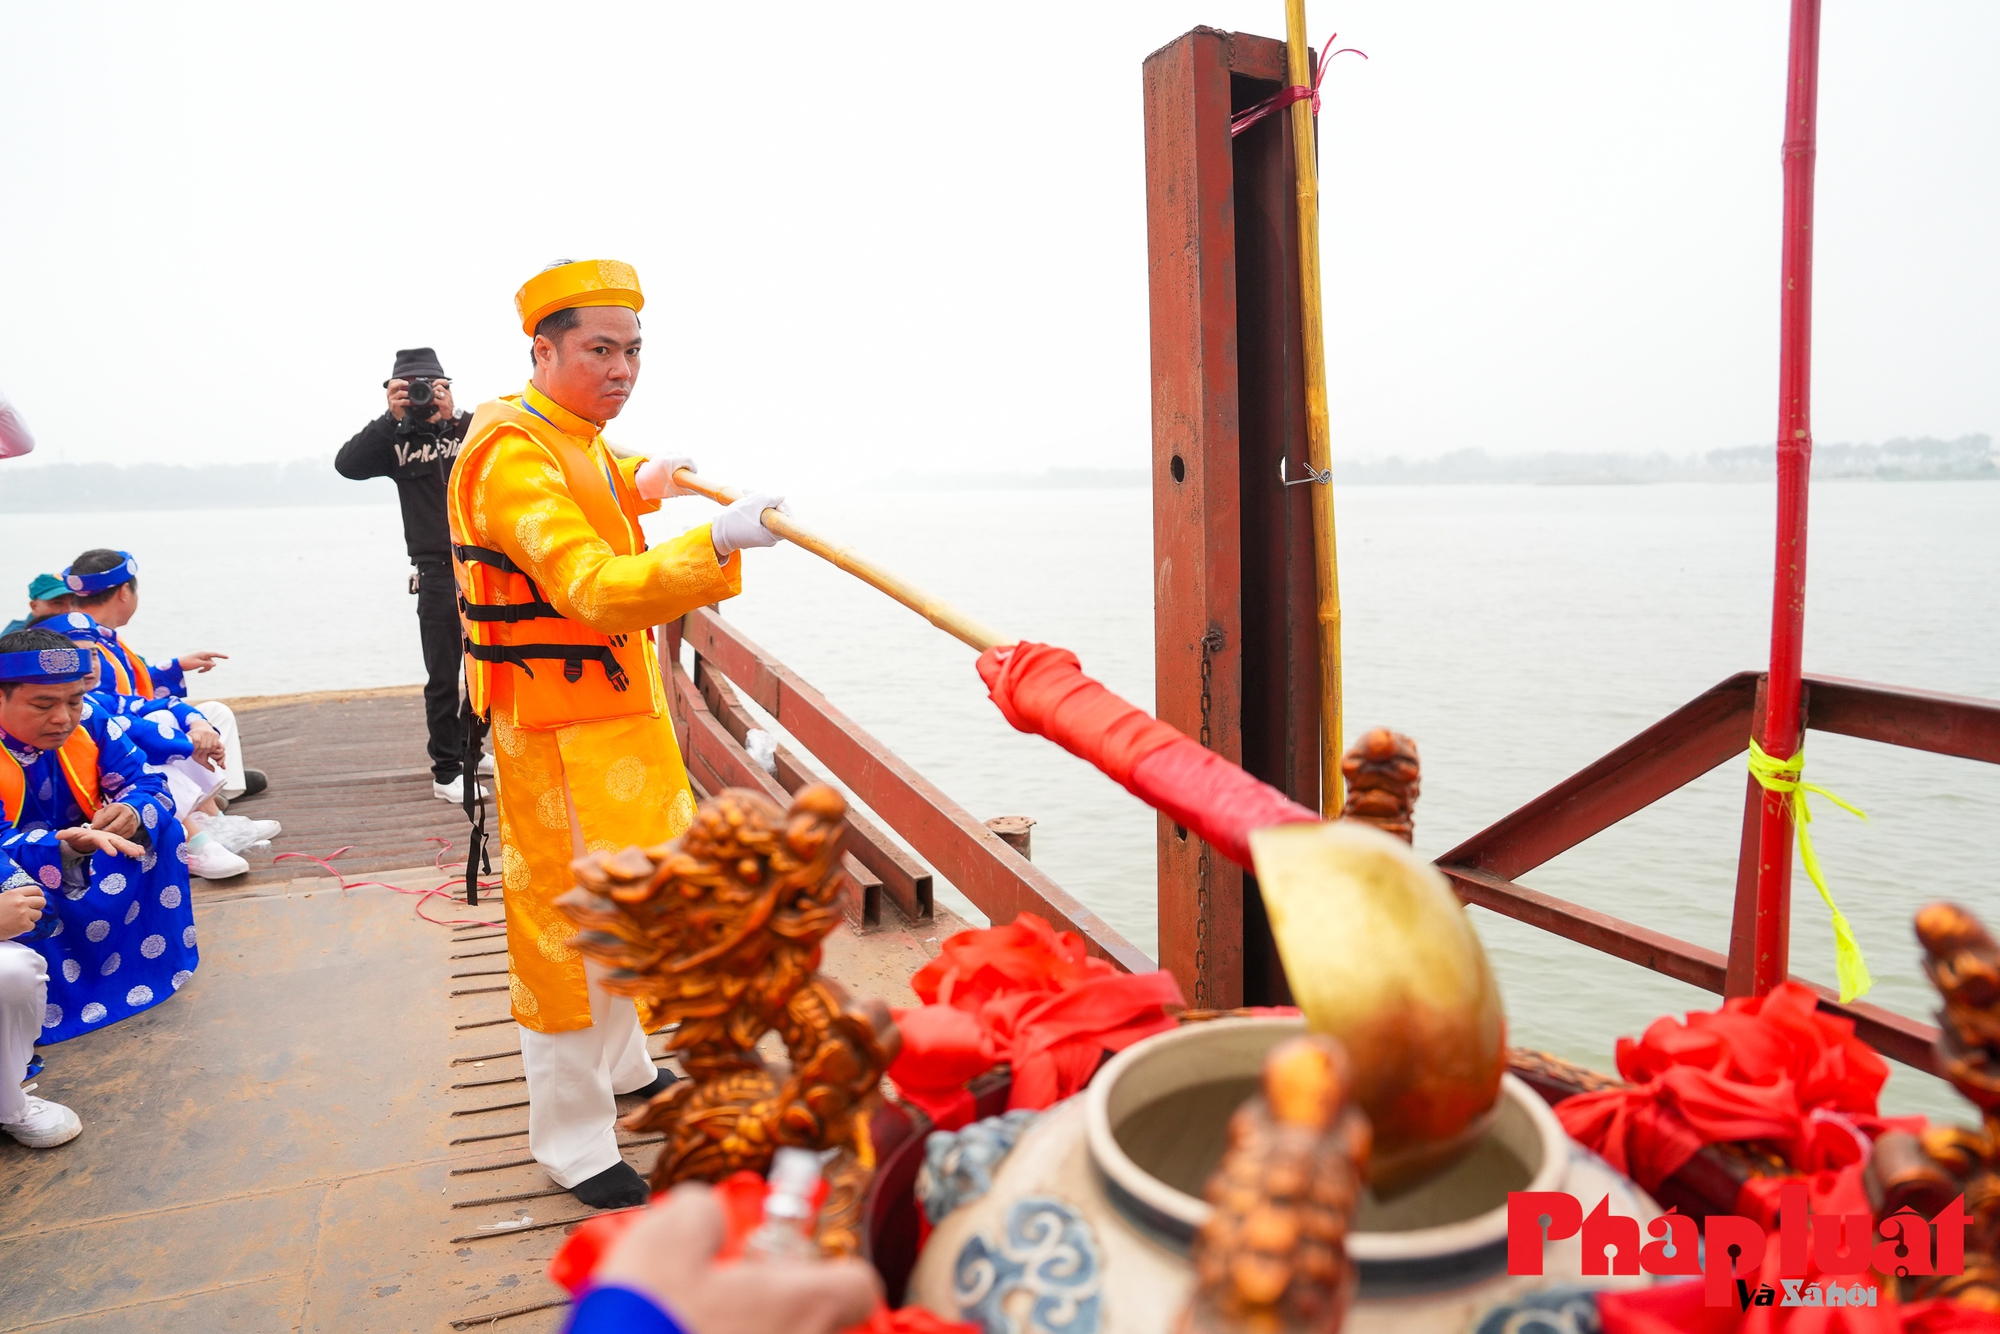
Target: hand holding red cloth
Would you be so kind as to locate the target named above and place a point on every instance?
(1042, 689)
(1028, 995)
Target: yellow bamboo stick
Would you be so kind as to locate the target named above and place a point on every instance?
(966, 629)
(1326, 569)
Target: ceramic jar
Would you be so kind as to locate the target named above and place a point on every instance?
(1086, 1227)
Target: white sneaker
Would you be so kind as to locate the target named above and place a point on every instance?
(454, 791)
(46, 1124)
(485, 764)
(236, 832)
(207, 858)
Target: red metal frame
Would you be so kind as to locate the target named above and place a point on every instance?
(1236, 646)
(1690, 742)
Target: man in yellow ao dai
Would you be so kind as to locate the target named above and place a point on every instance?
(558, 595)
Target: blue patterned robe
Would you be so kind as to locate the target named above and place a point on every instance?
(169, 681)
(123, 937)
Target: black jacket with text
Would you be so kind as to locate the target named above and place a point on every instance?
(420, 468)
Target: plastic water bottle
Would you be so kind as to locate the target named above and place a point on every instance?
(787, 1230)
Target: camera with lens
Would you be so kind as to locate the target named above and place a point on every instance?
(423, 403)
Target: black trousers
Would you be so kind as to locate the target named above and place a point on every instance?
(437, 618)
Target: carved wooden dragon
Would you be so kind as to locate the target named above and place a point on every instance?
(720, 932)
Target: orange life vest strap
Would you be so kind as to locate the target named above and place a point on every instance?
(78, 759)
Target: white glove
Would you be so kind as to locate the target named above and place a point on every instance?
(655, 478)
(742, 525)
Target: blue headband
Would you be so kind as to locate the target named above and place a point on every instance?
(77, 625)
(124, 571)
(48, 666)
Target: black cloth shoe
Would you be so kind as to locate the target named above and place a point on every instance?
(616, 1187)
(663, 1079)
(254, 781)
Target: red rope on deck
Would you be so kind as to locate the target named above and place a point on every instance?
(1042, 689)
(422, 895)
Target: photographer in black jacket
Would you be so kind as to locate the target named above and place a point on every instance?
(414, 443)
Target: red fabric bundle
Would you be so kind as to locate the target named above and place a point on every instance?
(742, 1199)
(912, 1320)
(741, 1196)
(1043, 690)
(1028, 995)
(1769, 1068)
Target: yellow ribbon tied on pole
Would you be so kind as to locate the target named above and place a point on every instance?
(1776, 775)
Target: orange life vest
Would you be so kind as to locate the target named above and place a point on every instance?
(137, 681)
(78, 758)
(522, 655)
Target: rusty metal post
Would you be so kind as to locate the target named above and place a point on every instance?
(1014, 831)
(1236, 656)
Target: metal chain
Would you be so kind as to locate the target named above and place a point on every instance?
(1211, 642)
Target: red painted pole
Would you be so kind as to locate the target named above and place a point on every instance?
(1780, 733)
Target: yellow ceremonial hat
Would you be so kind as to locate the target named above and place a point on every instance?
(587, 282)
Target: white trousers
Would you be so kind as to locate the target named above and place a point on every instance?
(223, 719)
(190, 784)
(572, 1078)
(24, 993)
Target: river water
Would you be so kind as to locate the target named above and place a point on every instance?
(1516, 632)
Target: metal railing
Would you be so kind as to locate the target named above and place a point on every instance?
(998, 880)
(1484, 869)
(1691, 741)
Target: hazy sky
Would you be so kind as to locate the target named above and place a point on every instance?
(913, 236)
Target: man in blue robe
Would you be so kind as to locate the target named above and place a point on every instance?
(47, 596)
(105, 585)
(88, 819)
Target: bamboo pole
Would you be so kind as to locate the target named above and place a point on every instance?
(1780, 727)
(1326, 570)
(966, 629)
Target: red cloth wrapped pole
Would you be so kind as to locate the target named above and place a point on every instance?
(1042, 689)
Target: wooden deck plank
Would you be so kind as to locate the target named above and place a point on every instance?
(346, 769)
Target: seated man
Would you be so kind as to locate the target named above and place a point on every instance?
(81, 812)
(47, 596)
(176, 736)
(106, 586)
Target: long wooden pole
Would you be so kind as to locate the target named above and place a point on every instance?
(1779, 737)
(1319, 448)
(966, 629)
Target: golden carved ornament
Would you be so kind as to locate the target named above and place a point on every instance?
(1925, 1172)
(1383, 781)
(720, 931)
(1272, 1257)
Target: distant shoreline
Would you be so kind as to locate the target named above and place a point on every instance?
(28, 487)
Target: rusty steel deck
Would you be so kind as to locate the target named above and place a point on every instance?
(326, 1129)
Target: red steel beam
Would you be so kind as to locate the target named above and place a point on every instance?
(1673, 752)
(907, 880)
(1916, 719)
(1197, 616)
(1894, 1035)
(1001, 881)
(717, 761)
